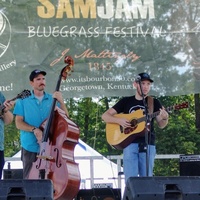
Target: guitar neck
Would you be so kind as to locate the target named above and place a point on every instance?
(150, 116)
(168, 109)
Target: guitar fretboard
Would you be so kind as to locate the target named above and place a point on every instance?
(168, 109)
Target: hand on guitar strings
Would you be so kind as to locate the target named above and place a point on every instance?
(163, 114)
(123, 122)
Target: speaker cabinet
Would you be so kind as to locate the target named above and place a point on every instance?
(189, 165)
(99, 194)
(26, 189)
(162, 188)
(13, 174)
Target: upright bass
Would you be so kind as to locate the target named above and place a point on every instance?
(56, 158)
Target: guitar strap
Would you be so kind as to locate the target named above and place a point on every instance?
(150, 104)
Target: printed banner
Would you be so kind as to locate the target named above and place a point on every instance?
(111, 41)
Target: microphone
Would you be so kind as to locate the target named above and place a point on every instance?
(138, 79)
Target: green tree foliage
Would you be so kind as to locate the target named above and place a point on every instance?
(12, 141)
(180, 136)
(86, 113)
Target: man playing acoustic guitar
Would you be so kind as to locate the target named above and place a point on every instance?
(135, 149)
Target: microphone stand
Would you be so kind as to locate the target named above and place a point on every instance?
(147, 122)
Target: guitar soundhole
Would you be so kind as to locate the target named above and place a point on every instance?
(133, 123)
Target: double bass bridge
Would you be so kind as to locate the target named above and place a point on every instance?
(49, 158)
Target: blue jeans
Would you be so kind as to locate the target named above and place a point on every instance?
(134, 162)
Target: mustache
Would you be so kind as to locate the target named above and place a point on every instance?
(42, 85)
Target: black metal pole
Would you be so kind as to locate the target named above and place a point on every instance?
(147, 124)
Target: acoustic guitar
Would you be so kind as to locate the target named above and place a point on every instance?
(120, 137)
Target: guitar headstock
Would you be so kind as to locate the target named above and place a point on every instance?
(181, 106)
(24, 94)
(66, 71)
